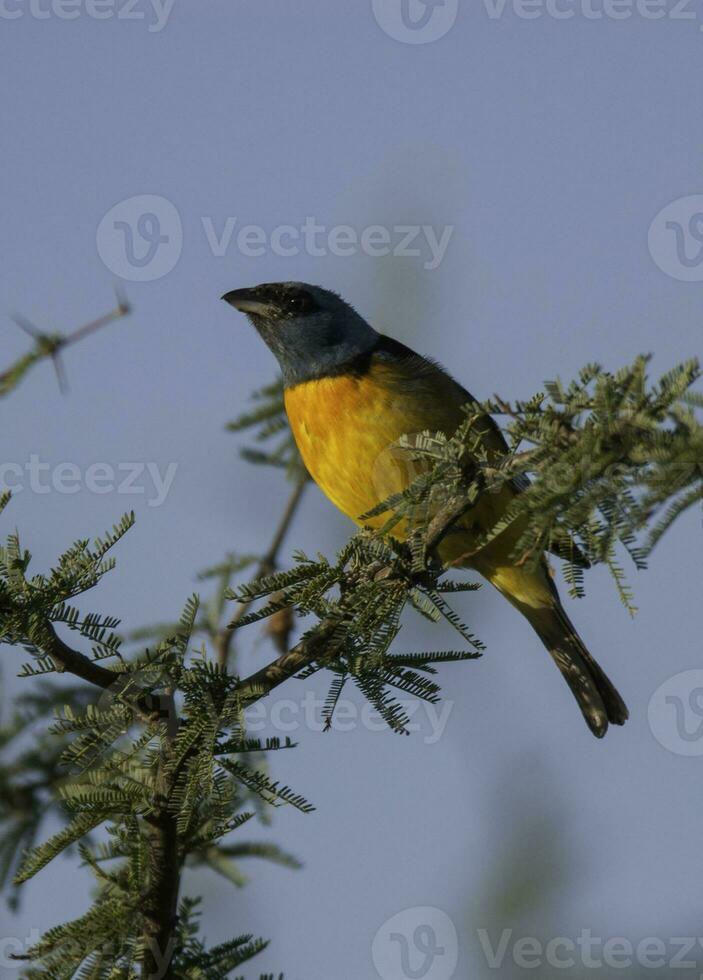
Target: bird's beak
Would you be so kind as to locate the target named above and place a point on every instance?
(248, 301)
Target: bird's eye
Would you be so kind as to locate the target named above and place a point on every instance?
(299, 303)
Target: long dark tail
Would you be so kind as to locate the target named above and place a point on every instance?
(533, 592)
(597, 698)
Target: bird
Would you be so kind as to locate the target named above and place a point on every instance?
(350, 394)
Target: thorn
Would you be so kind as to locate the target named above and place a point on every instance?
(25, 325)
(122, 309)
(123, 305)
(60, 372)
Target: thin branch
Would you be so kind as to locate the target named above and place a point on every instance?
(122, 309)
(149, 707)
(318, 644)
(51, 345)
(267, 565)
(445, 518)
(309, 649)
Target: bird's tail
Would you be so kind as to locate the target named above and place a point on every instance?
(597, 698)
(534, 594)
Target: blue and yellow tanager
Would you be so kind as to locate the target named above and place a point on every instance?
(350, 394)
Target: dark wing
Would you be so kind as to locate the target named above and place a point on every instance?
(419, 367)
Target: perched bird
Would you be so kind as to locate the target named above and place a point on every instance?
(350, 394)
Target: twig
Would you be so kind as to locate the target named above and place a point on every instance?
(310, 648)
(51, 345)
(267, 565)
(122, 309)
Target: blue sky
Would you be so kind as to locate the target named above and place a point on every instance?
(548, 147)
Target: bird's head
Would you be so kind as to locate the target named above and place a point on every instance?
(311, 330)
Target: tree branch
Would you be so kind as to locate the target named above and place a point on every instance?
(310, 648)
(160, 903)
(316, 645)
(51, 345)
(68, 660)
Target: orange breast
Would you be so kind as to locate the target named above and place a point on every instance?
(347, 429)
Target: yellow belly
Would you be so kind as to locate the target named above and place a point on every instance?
(347, 430)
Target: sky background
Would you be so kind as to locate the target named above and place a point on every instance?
(549, 146)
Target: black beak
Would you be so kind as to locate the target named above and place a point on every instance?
(249, 301)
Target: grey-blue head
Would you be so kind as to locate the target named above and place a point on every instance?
(311, 330)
